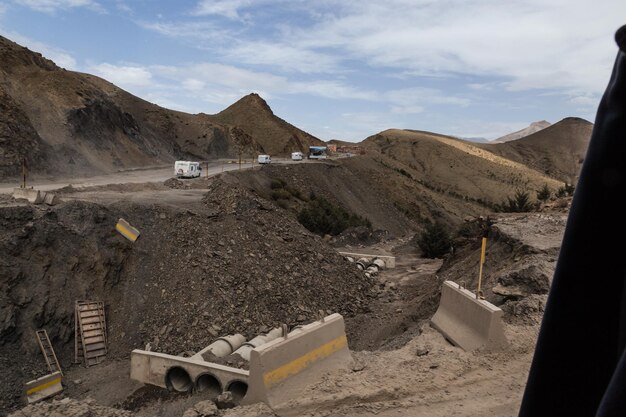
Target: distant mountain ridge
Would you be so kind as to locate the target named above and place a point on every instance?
(557, 151)
(532, 128)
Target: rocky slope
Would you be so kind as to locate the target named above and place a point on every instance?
(70, 123)
(276, 136)
(210, 268)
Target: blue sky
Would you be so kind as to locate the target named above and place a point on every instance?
(341, 69)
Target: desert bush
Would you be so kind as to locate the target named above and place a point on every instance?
(322, 217)
(520, 203)
(435, 241)
(544, 193)
(565, 190)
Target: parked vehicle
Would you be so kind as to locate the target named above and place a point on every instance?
(264, 159)
(297, 156)
(187, 169)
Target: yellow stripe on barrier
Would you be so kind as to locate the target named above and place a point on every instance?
(127, 233)
(43, 386)
(297, 365)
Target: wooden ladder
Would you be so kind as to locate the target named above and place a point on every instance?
(48, 351)
(90, 342)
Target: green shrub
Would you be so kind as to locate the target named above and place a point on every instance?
(520, 203)
(565, 190)
(322, 217)
(435, 240)
(544, 193)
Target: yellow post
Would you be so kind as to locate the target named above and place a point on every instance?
(480, 273)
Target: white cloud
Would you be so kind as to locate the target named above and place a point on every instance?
(282, 56)
(122, 6)
(192, 31)
(60, 57)
(226, 8)
(50, 6)
(124, 76)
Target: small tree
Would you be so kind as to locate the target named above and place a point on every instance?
(435, 240)
(544, 193)
(520, 203)
(565, 190)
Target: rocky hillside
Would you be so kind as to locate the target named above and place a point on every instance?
(276, 136)
(67, 123)
(557, 151)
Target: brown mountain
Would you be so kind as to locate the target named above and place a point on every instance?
(66, 123)
(454, 167)
(276, 136)
(558, 150)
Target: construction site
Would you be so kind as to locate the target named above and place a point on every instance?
(161, 263)
(149, 298)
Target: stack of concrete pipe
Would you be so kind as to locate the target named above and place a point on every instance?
(371, 268)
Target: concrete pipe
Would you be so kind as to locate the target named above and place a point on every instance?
(367, 274)
(373, 270)
(209, 385)
(379, 263)
(178, 379)
(238, 389)
(362, 263)
(223, 346)
(349, 259)
(246, 348)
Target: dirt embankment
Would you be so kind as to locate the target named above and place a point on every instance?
(222, 265)
(521, 255)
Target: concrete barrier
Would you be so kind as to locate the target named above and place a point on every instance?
(126, 230)
(185, 374)
(279, 369)
(43, 387)
(468, 322)
(390, 261)
(33, 196)
(51, 199)
(282, 368)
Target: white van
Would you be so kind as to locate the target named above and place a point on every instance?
(264, 159)
(187, 169)
(297, 156)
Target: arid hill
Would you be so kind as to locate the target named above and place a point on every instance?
(66, 123)
(255, 117)
(452, 167)
(557, 151)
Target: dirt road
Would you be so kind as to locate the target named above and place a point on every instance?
(153, 174)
